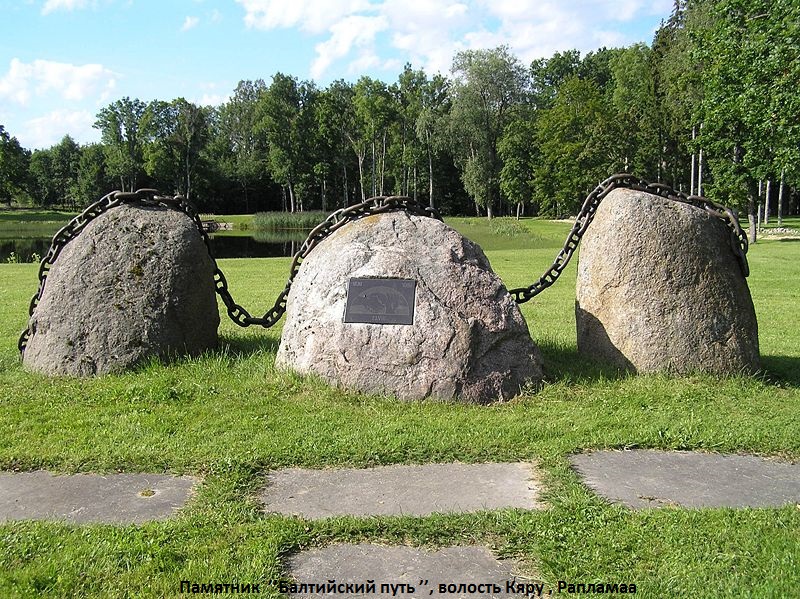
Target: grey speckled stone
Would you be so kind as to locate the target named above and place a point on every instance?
(469, 340)
(85, 498)
(424, 570)
(659, 288)
(648, 478)
(416, 490)
(137, 282)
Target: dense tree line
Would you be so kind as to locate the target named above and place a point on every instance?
(711, 107)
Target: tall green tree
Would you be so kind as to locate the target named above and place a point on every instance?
(335, 116)
(120, 127)
(42, 180)
(286, 116)
(93, 181)
(65, 156)
(634, 103)
(239, 145)
(431, 124)
(375, 111)
(576, 141)
(157, 128)
(547, 75)
(488, 86)
(406, 148)
(14, 160)
(358, 137)
(519, 152)
(177, 133)
(679, 89)
(596, 66)
(750, 108)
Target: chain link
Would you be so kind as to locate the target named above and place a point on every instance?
(589, 208)
(237, 313)
(335, 221)
(60, 239)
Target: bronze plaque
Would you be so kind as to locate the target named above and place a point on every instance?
(380, 301)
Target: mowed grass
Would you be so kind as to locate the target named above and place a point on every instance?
(230, 416)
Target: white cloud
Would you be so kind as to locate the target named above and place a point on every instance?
(624, 10)
(661, 7)
(530, 39)
(314, 16)
(367, 60)
(349, 32)
(71, 82)
(189, 23)
(536, 29)
(412, 14)
(609, 39)
(43, 132)
(14, 84)
(53, 5)
(427, 31)
(364, 62)
(430, 32)
(212, 99)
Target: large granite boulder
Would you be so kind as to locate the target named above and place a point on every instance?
(468, 340)
(137, 282)
(660, 289)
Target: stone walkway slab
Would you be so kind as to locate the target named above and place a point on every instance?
(648, 478)
(423, 570)
(401, 490)
(84, 498)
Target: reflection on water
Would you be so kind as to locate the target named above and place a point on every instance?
(222, 246)
(23, 250)
(228, 246)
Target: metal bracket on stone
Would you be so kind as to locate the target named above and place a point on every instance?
(380, 301)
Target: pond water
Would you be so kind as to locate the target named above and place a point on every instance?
(223, 246)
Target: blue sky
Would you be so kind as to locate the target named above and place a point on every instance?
(61, 61)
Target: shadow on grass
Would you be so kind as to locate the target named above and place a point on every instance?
(229, 349)
(782, 369)
(564, 363)
(789, 239)
(561, 363)
(247, 346)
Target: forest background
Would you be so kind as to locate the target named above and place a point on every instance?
(711, 107)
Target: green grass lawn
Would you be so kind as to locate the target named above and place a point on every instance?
(792, 222)
(229, 416)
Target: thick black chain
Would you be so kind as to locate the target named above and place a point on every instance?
(589, 208)
(75, 226)
(377, 205)
(335, 221)
(236, 312)
(60, 239)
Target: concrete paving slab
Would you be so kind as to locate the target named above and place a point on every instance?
(649, 478)
(423, 570)
(85, 498)
(401, 490)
